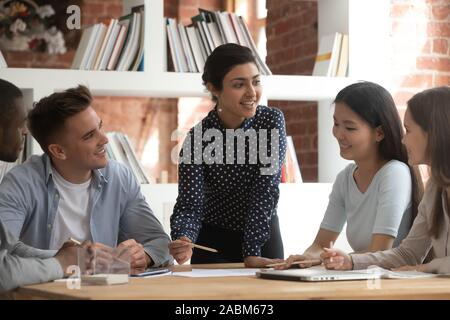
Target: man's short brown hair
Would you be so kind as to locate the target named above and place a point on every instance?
(49, 115)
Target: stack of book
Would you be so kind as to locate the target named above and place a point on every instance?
(290, 172)
(117, 45)
(332, 56)
(2, 61)
(191, 45)
(119, 149)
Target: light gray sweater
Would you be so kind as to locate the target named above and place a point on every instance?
(415, 247)
(21, 264)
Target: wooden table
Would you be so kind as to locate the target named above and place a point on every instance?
(241, 288)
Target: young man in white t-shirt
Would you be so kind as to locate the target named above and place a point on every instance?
(21, 264)
(74, 191)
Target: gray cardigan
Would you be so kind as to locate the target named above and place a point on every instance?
(21, 264)
(415, 247)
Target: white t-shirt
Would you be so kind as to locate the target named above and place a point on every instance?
(72, 217)
(385, 207)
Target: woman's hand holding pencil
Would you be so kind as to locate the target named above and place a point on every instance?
(312, 257)
(336, 259)
(297, 259)
(181, 249)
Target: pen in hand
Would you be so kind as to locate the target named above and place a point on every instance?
(300, 262)
(203, 247)
(313, 262)
(78, 243)
(331, 247)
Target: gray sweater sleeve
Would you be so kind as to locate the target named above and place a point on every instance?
(16, 270)
(413, 249)
(25, 251)
(439, 265)
(138, 222)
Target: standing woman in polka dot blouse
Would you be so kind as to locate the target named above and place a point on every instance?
(229, 170)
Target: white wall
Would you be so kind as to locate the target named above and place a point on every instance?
(300, 209)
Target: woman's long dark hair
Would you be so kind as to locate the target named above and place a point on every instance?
(430, 109)
(375, 105)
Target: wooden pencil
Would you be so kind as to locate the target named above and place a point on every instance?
(203, 248)
(313, 262)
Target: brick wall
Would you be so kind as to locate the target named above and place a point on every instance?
(189, 8)
(420, 60)
(421, 41)
(148, 122)
(291, 47)
(171, 8)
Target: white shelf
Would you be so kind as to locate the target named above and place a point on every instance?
(155, 81)
(168, 84)
(275, 87)
(334, 15)
(303, 88)
(366, 22)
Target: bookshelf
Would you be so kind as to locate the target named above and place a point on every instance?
(366, 22)
(156, 81)
(368, 25)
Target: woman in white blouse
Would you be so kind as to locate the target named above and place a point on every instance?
(427, 139)
(377, 195)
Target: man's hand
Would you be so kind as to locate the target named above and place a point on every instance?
(259, 262)
(98, 258)
(67, 256)
(139, 259)
(181, 249)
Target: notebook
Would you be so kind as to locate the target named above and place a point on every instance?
(315, 275)
(321, 274)
(104, 279)
(151, 272)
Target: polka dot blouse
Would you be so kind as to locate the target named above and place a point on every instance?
(226, 184)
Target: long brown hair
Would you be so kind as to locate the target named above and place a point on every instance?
(430, 109)
(375, 105)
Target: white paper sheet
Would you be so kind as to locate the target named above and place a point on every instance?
(205, 273)
(388, 274)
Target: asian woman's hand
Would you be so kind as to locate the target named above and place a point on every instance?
(298, 258)
(259, 262)
(336, 259)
